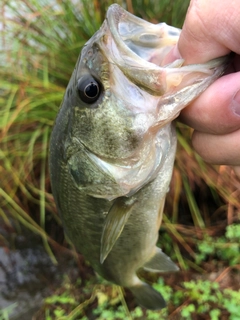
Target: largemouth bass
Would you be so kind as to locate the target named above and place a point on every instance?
(113, 146)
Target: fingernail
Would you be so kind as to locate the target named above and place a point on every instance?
(236, 103)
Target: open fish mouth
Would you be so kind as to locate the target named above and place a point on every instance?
(137, 38)
(139, 48)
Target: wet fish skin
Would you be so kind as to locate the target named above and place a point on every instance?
(111, 160)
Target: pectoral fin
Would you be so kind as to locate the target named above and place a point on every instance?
(160, 262)
(114, 224)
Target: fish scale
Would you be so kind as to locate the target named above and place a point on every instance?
(112, 153)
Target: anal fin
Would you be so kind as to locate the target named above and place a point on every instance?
(160, 262)
(114, 224)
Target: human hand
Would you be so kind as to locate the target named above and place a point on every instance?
(211, 30)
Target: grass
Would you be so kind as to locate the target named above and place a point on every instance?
(40, 42)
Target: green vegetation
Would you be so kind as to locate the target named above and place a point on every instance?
(4, 313)
(40, 42)
(198, 297)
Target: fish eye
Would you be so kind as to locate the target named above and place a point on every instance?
(88, 89)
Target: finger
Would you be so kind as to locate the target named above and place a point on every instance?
(211, 29)
(223, 149)
(217, 110)
(237, 170)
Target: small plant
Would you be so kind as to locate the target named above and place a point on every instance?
(205, 297)
(63, 302)
(6, 312)
(226, 248)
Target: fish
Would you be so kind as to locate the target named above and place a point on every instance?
(113, 145)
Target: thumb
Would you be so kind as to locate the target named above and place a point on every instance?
(211, 29)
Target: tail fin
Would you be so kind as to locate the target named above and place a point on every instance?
(148, 297)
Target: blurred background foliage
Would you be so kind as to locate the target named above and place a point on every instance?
(39, 45)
